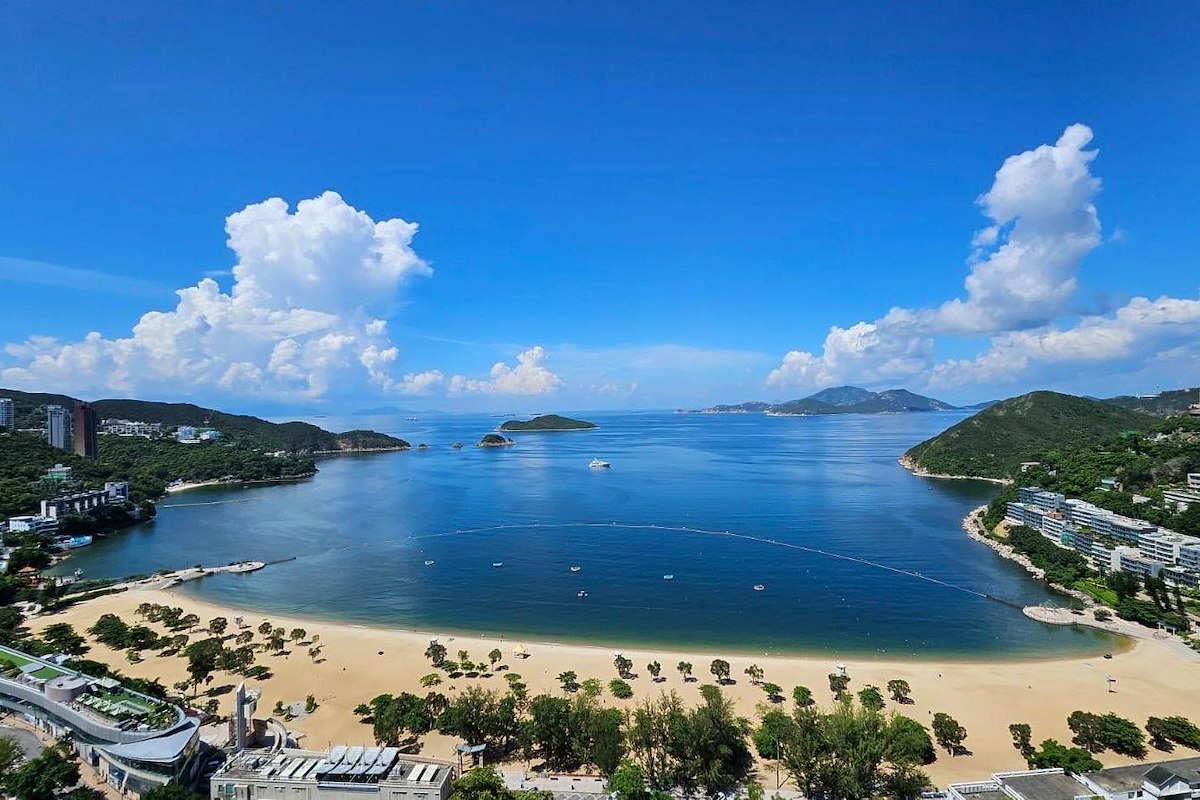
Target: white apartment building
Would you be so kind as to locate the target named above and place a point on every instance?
(8, 417)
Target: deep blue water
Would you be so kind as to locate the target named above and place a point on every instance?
(361, 531)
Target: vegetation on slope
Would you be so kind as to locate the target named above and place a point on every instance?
(547, 422)
(994, 442)
(1165, 404)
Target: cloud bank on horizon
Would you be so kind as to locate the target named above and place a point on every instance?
(312, 290)
(1023, 280)
(306, 313)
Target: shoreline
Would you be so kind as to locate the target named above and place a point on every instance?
(361, 661)
(187, 487)
(920, 472)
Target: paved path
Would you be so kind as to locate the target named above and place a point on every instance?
(29, 743)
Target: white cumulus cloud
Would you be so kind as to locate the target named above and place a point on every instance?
(527, 377)
(301, 317)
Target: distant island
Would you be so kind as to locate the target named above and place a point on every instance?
(837, 400)
(995, 442)
(494, 440)
(547, 422)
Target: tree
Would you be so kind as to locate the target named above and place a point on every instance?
(63, 638)
(552, 731)
(11, 755)
(623, 665)
(111, 630)
(494, 658)
(485, 783)
(168, 791)
(871, 698)
(655, 669)
(436, 653)
(568, 680)
(802, 696)
(685, 669)
(265, 628)
(620, 689)
(838, 683)
(1071, 759)
(217, 625)
(899, 689)
(720, 670)
(949, 733)
(43, 777)
(1099, 732)
(396, 719)
(1169, 731)
(432, 679)
(245, 637)
(775, 729)
(755, 673)
(204, 657)
(773, 692)
(908, 742)
(298, 634)
(592, 688)
(1022, 735)
(628, 782)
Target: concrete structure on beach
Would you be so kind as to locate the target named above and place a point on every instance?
(343, 773)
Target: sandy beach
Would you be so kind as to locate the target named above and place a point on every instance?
(361, 662)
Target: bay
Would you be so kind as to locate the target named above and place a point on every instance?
(352, 542)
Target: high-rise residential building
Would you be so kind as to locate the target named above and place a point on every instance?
(58, 427)
(7, 416)
(84, 425)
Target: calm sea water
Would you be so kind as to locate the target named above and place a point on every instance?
(361, 532)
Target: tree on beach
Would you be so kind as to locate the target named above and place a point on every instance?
(720, 670)
(655, 669)
(494, 658)
(949, 733)
(245, 637)
(265, 627)
(871, 698)
(1166, 732)
(624, 665)
(620, 689)
(568, 680)
(755, 673)
(592, 687)
(62, 637)
(298, 634)
(436, 653)
(432, 679)
(685, 669)
(773, 692)
(899, 689)
(1072, 759)
(203, 657)
(838, 683)
(802, 696)
(1022, 736)
(217, 625)
(1100, 732)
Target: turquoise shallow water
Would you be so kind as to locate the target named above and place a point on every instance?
(361, 531)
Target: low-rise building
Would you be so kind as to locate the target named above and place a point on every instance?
(34, 523)
(1130, 559)
(132, 741)
(126, 427)
(118, 491)
(1164, 780)
(342, 773)
(75, 503)
(58, 473)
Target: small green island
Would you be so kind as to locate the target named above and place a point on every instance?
(494, 440)
(547, 422)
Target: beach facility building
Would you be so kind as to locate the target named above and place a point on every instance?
(1164, 780)
(342, 773)
(132, 741)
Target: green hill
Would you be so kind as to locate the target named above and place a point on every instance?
(1165, 404)
(547, 422)
(244, 429)
(994, 442)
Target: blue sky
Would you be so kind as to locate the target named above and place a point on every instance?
(621, 205)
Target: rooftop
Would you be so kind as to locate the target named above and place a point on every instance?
(1124, 779)
(1046, 786)
(358, 765)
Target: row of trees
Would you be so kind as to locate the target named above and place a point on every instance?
(1097, 733)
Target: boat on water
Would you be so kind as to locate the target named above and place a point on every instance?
(758, 587)
(598, 464)
(497, 563)
(668, 577)
(429, 562)
(457, 445)
(582, 593)
(410, 419)
(575, 568)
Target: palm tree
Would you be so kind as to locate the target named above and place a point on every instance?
(685, 669)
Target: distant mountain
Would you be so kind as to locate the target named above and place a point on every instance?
(1166, 404)
(752, 407)
(244, 429)
(547, 422)
(855, 400)
(994, 442)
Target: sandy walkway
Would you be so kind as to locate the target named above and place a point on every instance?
(361, 662)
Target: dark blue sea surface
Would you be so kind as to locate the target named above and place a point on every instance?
(361, 532)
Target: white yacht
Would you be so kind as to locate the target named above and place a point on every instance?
(598, 464)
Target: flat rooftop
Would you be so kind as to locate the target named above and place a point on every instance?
(1123, 779)
(343, 764)
(1046, 787)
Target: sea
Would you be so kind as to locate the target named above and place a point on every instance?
(780, 534)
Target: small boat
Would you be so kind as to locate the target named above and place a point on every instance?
(429, 562)
(582, 593)
(78, 573)
(668, 577)
(758, 587)
(410, 419)
(497, 563)
(575, 568)
(457, 445)
(598, 464)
